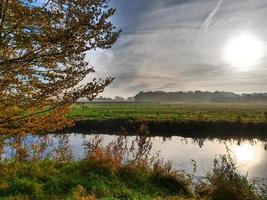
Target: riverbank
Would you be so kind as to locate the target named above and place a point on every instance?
(192, 129)
(190, 120)
(91, 179)
(104, 178)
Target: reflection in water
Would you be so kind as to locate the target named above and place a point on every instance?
(250, 155)
(251, 158)
(244, 153)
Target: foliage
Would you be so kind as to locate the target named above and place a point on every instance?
(43, 45)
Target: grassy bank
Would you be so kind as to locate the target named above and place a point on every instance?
(101, 179)
(90, 178)
(168, 128)
(247, 113)
(191, 120)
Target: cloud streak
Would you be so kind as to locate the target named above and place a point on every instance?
(208, 21)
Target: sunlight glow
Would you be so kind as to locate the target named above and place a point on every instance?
(243, 51)
(244, 153)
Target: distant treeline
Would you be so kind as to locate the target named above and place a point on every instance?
(199, 96)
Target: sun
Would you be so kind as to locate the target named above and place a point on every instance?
(244, 51)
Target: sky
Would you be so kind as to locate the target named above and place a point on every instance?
(174, 45)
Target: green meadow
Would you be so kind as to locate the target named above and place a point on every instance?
(255, 113)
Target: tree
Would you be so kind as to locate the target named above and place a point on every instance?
(43, 45)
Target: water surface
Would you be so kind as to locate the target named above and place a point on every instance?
(250, 155)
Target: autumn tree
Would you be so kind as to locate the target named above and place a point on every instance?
(43, 45)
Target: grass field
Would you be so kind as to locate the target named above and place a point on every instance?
(256, 113)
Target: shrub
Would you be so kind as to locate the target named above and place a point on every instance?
(225, 183)
(176, 182)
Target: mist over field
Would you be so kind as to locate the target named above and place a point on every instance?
(198, 96)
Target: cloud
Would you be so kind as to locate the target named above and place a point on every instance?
(207, 22)
(158, 50)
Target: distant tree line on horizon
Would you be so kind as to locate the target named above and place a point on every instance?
(199, 96)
